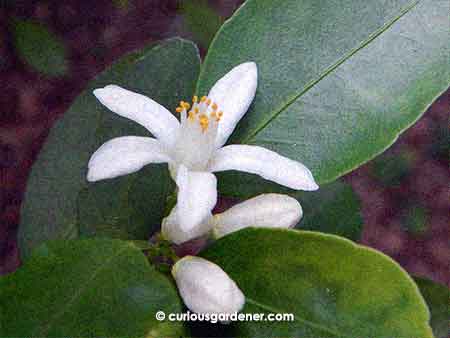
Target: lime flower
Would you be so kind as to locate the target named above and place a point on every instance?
(205, 288)
(263, 211)
(194, 143)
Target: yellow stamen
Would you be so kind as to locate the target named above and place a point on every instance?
(204, 122)
(179, 109)
(208, 102)
(214, 106)
(196, 110)
(195, 99)
(191, 115)
(219, 115)
(203, 99)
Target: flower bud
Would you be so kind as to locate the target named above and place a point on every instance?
(205, 287)
(265, 211)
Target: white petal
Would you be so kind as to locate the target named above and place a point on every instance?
(265, 211)
(234, 93)
(172, 231)
(124, 155)
(197, 196)
(206, 288)
(141, 109)
(266, 163)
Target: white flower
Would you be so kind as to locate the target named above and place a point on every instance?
(196, 142)
(205, 288)
(263, 211)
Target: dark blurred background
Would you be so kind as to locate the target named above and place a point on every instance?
(404, 192)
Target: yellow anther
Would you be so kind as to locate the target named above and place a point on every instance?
(191, 115)
(213, 114)
(208, 102)
(195, 99)
(214, 106)
(196, 110)
(179, 109)
(219, 115)
(204, 122)
(203, 99)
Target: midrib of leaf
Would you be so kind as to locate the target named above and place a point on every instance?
(296, 317)
(331, 68)
(68, 304)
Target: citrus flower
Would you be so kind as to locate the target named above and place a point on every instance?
(195, 142)
(263, 211)
(205, 288)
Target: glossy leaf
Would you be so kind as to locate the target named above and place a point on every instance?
(166, 72)
(87, 288)
(333, 287)
(39, 47)
(437, 297)
(333, 209)
(338, 81)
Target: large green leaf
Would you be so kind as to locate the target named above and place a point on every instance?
(333, 287)
(338, 80)
(128, 207)
(35, 44)
(437, 297)
(166, 72)
(87, 288)
(333, 209)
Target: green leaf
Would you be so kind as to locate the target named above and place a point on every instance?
(333, 287)
(333, 209)
(201, 20)
(337, 81)
(129, 206)
(390, 169)
(87, 288)
(39, 47)
(437, 297)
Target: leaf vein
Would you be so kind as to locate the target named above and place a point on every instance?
(332, 67)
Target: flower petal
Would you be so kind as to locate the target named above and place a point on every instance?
(205, 287)
(266, 163)
(141, 109)
(197, 196)
(265, 211)
(124, 155)
(172, 231)
(234, 93)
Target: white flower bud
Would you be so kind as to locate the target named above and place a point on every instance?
(205, 287)
(265, 211)
(171, 230)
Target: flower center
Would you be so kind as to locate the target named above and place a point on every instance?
(196, 141)
(202, 112)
